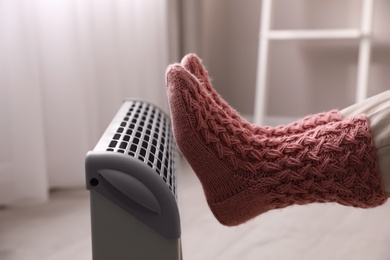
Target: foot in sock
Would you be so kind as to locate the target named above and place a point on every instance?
(194, 65)
(244, 174)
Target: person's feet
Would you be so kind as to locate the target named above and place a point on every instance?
(244, 174)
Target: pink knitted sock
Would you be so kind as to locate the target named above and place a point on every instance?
(194, 65)
(244, 175)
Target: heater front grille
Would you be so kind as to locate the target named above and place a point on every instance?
(145, 134)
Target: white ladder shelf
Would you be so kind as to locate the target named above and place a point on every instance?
(363, 34)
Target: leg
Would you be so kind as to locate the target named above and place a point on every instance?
(368, 106)
(244, 174)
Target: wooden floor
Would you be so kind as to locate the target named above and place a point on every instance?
(60, 230)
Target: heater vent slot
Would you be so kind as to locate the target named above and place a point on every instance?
(145, 134)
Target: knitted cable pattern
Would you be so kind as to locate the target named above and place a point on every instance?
(194, 65)
(244, 174)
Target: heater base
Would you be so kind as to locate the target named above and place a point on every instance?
(118, 235)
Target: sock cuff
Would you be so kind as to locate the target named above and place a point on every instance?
(361, 184)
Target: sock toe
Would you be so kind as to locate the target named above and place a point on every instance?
(194, 65)
(178, 78)
(180, 83)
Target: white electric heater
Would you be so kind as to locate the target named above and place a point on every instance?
(132, 182)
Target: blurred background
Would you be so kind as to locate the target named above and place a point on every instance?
(66, 66)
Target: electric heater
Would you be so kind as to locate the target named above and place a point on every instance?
(132, 182)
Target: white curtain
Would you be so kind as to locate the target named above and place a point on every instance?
(65, 67)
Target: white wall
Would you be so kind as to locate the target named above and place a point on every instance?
(304, 77)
